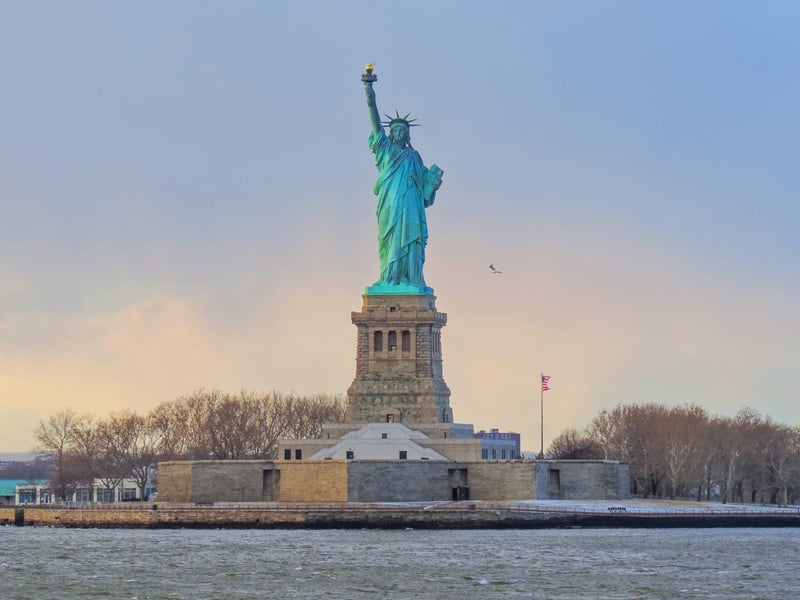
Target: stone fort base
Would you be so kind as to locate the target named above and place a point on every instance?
(389, 481)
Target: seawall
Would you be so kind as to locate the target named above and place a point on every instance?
(450, 515)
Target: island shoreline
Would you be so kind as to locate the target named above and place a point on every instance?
(455, 515)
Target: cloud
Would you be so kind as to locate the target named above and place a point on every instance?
(612, 318)
(257, 319)
(131, 359)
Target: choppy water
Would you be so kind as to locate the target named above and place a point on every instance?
(575, 564)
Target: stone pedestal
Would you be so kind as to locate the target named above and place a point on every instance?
(399, 362)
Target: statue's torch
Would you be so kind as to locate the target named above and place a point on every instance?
(368, 76)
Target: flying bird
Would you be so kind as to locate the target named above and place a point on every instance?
(495, 271)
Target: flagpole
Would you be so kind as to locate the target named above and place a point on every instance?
(541, 414)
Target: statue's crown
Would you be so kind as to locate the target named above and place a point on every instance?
(398, 119)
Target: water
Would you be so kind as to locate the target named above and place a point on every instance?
(572, 564)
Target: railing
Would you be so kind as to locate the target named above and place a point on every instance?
(497, 436)
(656, 511)
(132, 505)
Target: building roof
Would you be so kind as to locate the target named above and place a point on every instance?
(380, 441)
(8, 486)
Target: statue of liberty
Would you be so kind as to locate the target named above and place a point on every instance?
(405, 188)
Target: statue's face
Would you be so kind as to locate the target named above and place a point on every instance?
(399, 133)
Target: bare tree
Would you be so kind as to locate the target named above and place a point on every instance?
(730, 450)
(782, 448)
(132, 443)
(571, 444)
(646, 439)
(112, 462)
(683, 430)
(56, 438)
(679, 450)
(605, 431)
(710, 452)
(269, 423)
(218, 425)
(86, 452)
(752, 478)
(171, 421)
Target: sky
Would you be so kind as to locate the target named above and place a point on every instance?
(186, 202)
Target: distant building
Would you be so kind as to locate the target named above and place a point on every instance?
(24, 491)
(497, 445)
(126, 490)
(39, 491)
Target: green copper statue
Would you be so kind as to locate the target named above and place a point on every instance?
(404, 189)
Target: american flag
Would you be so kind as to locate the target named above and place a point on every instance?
(545, 381)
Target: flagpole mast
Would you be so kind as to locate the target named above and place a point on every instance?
(541, 414)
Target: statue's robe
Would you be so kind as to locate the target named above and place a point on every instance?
(402, 229)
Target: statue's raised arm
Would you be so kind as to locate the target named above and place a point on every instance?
(405, 188)
(369, 78)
